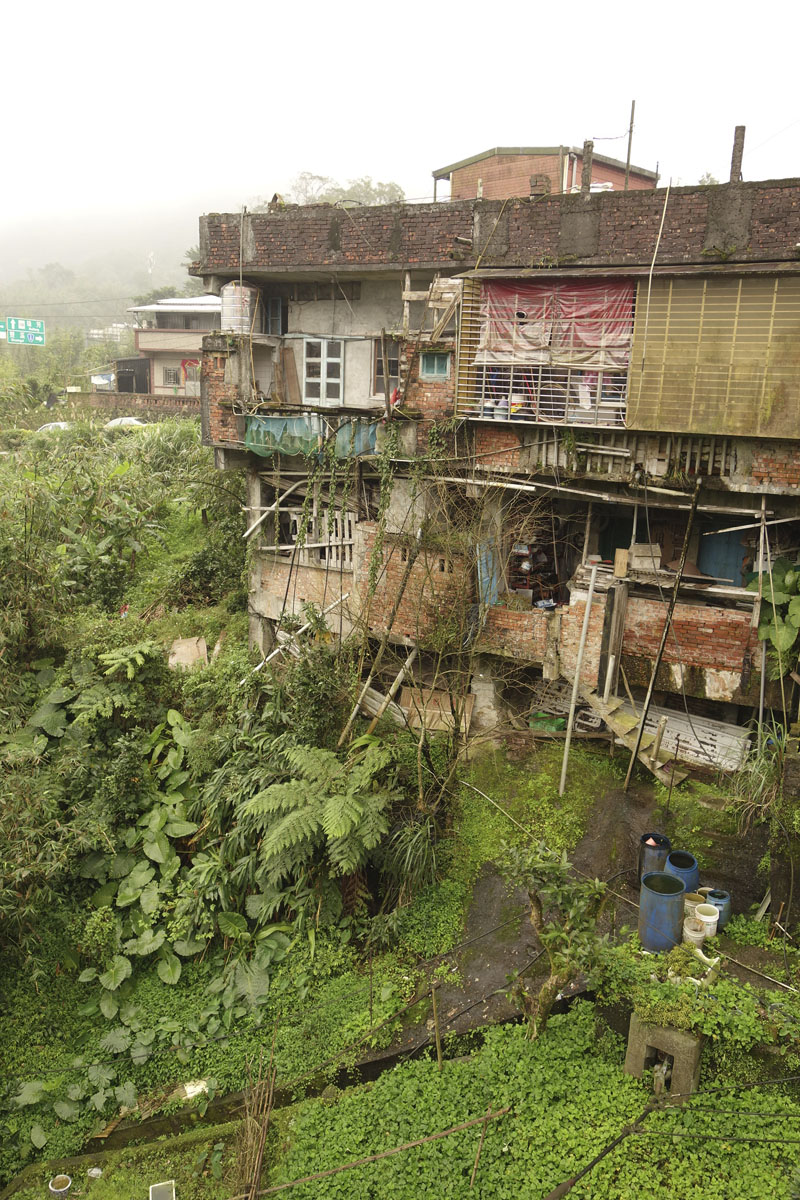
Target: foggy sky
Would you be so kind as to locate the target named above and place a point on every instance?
(123, 124)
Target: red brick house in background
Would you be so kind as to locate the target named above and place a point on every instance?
(558, 398)
(535, 171)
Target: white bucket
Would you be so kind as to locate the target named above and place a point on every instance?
(703, 891)
(709, 915)
(694, 931)
(691, 901)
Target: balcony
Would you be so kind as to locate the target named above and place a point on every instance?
(308, 433)
(554, 352)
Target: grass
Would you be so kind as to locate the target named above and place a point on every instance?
(202, 1163)
(527, 794)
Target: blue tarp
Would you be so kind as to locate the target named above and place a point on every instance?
(306, 435)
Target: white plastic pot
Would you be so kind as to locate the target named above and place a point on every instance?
(709, 915)
(691, 901)
(694, 931)
(59, 1185)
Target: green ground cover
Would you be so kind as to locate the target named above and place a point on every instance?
(202, 1164)
(568, 1098)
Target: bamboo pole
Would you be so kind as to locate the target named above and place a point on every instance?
(665, 631)
(436, 1029)
(413, 554)
(272, 508)
(294, 637)
(393, 690)
(577, 680)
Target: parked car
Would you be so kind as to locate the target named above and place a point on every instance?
(124, 422)
(51, 426)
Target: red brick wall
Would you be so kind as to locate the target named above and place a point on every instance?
(776, 463)
(571, 626)
(120, 404)
(510, 175)
(708, 637)
(504, 175)
(221, 426)
(433, 398)
(514, 634)
(422, 235)
(497, 447)
(431, 595)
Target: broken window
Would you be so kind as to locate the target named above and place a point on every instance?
(552, 352)
(328, 540)
(323, 371)
(393, 356)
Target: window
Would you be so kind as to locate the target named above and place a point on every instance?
(553, 352)
(434, 366)
(393, 355)
(192, 374)
(172, 376)
(323, 372)
(273, 319)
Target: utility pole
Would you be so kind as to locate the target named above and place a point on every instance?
(630, 139)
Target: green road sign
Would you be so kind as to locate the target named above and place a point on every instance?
(21, 331)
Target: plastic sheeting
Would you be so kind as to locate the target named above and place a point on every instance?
(306, 435)
(566, 324)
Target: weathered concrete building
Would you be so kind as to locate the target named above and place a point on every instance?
(449, 413)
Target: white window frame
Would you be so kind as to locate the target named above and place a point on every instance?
(435, 376)
(323, 400)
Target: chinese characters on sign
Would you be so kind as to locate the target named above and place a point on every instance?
(21, 331)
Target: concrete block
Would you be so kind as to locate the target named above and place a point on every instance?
(685, 1050)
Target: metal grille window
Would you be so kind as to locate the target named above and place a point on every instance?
(323, 372)
(172, 376)
(554, 352)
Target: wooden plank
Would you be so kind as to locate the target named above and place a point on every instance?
(292, 383)
(433, 708)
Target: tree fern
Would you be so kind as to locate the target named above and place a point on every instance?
(301, 825)
(341, 814)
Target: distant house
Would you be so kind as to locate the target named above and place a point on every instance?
(169, 338)
(534, 171)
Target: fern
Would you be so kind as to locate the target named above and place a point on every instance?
(341, 815)
(128, 658)
(302, 825)
(314, 764)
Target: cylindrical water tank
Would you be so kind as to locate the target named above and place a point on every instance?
(660, 911)
(653, 851)
(242, 309)
(684, 865)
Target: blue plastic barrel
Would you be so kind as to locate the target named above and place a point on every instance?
(684, 865)
(661, 911)
(722, 901)
(652, 858)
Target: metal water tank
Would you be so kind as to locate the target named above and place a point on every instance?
(242, 309)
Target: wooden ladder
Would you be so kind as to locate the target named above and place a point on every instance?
(624, 725)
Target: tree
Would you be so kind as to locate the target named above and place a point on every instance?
(564, 913)
(707, 180)
(308, 188)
